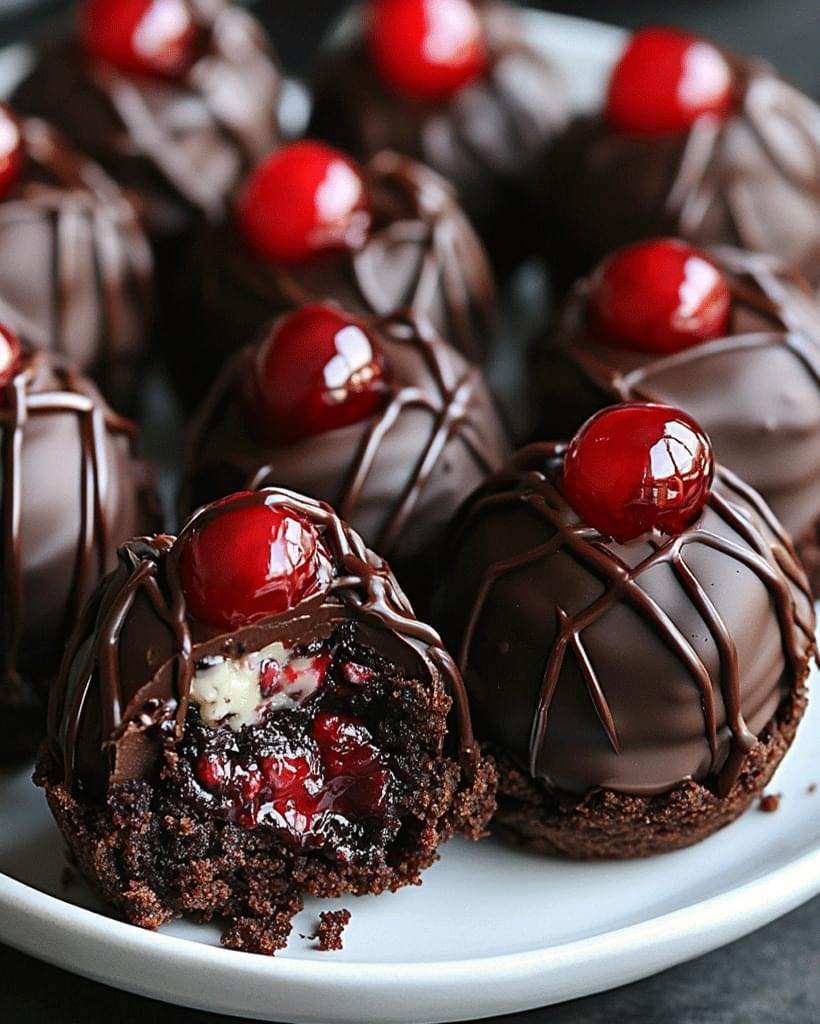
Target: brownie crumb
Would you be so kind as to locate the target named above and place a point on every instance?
(332, 924)
(769, 803)
(811, 788)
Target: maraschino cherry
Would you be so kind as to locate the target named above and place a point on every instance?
(249, 560)
(303, 200)
(638, 467)
(660, 296)
(318, 369)
(665, 80)
(427, 49)
(11, 352)
(157, 38)
(11, 150)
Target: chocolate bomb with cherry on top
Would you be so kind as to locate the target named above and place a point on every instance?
(731, 337)
(250, 713)
(73, 488)
(381, 419)
(455, 84)
(311, 225)
(693, 142)
(635, 636)
(76, 272)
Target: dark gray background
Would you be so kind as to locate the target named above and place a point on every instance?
(772, 976)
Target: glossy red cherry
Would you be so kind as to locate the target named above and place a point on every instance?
(638, 467)
(248, 561)
(11, 150)
(158, 38)
(427, 49)
(318, 369)
(303, 200)
(11, 352)
(665, 80)
(660, 296)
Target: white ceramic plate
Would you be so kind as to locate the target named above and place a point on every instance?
(492, 930)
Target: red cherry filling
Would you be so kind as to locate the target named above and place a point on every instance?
(427, 49)
(665, 80)
(303, 200)
(247, 561)
(319, 369)
(11, 353)
(11, 150)
(659, 296)
(638, 467)
(157, 38)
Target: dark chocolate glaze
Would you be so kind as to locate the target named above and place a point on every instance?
(75, 268)
(396, 478)
(127, 674)
(179, 147)
(421, 260)
(483, 139)
(752, 181)
(73, 488)
(756, 391)
(623, 666)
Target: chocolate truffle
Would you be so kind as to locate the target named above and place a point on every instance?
(382, 419)
(737, 164)
(73, 488)
(732, 337)
(75, 268)
(455, 85)
(383, 239)
(639, 692)
(177, 100)
(252, 712)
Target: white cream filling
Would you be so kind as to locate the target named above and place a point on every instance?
(230, 691)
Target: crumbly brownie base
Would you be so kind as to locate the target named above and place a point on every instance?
(607, 824)
(808, 548)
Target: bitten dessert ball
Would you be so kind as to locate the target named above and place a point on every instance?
(252, 712)
(386, 238)
(382, 419)
(75, 268)
(732, 337)
(175, 98)
(71, 489)
(692, 141)
(455, 84)
(635, 633)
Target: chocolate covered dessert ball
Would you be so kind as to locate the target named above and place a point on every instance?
(381, 419)
(72, 488)
(252, 712)
(692, 141)
(455, 84)
(635, 633)
(384, 239)
(731, 337)
(177, 99)
(75, 268)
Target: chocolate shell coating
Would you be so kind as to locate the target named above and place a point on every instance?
(625, 667)
(178, 147)
(397, 478)
(75, 268)
(752, 181)
(483, 139)
(421, 259)
(126, 679)
(73, 488)
(756, 391)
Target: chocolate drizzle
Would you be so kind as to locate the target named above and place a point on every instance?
(75, 268)
(396, 478)
(737, 528)
(109, 493)
(142, 682)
